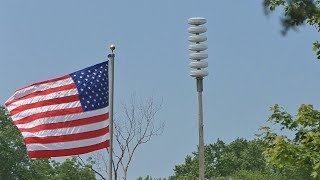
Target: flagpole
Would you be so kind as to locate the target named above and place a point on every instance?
(111, 88)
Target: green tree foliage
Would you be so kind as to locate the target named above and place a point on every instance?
(300, 153)
(150, 178)
(222, 160)
(15, 163)
(13, 157)
(256, 175)
(71, 170)
(297, 13)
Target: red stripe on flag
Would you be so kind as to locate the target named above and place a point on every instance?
(44, 92)
(47, 81)
(68, 152)
(67, 124)
(60, 112)
(66, 138)
(48, 102)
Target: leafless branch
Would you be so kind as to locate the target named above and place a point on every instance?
(84, 164)
(137, 125)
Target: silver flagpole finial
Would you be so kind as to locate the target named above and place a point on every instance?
(112, 47)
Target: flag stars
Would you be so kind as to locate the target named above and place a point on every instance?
(92, 85)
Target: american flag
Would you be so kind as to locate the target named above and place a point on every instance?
(64, 116)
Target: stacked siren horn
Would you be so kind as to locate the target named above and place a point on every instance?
(197, 47)
(197, 55)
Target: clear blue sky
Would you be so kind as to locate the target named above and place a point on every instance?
(251, 65)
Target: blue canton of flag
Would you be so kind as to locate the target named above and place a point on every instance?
(92, 85)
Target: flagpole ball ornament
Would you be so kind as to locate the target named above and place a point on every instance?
(197, 47)
(112, 47)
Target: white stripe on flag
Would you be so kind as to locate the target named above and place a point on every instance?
(33, 111)
(41, 87)
(67, 130)
(68, 145)
(65, 118)
(42, 98)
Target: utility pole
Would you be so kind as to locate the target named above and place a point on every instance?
(197, 55)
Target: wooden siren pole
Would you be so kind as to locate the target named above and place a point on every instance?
(111, 90)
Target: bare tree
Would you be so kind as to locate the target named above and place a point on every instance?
(136, 125)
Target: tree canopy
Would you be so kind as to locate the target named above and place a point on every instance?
(273, 156)
(300, 151)
(240, 158)
(297, 13)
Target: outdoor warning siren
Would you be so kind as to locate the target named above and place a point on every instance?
(197, 47)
